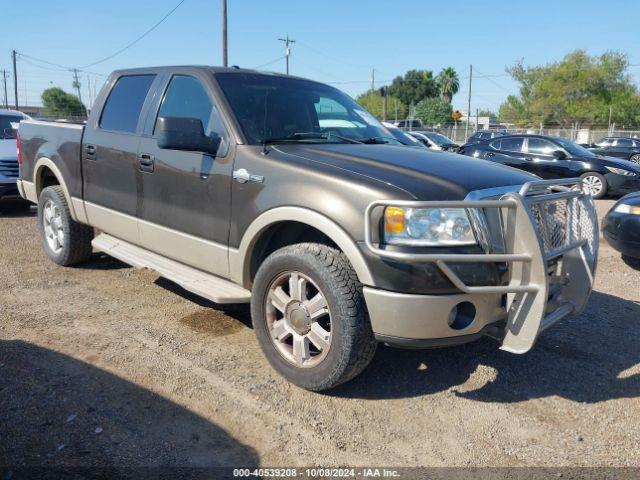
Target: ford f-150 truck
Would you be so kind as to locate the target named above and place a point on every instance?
(284, 193)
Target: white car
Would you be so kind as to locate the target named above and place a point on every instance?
(435, 141)
(9, 120)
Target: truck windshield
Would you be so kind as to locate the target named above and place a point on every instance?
(9, 126)
(273, 108)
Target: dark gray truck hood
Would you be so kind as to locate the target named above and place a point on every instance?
(423, 174)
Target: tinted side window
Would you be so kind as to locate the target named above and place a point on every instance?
(541, 146)
(186, 97)
(122, 109)
(624, 142)
(511, 144)
(496, 144)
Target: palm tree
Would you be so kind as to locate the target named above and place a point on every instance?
(448, 82)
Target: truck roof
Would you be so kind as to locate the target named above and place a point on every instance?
(207, 68)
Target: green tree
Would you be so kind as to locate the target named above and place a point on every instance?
(58, 103)
(414, 86)
(577, 90)
(434, 111)
(448, 83)
(487, 113)
(372, 101)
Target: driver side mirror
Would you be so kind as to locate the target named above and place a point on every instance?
(559, 155)
(184, 133)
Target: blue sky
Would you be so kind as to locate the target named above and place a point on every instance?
(338, 42)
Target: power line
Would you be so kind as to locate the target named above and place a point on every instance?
(131, 44)
(269, 63)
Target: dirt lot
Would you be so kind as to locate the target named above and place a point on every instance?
(108, 365)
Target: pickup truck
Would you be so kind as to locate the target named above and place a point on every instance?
(281, 192)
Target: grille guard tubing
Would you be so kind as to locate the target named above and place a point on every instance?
(536, 297)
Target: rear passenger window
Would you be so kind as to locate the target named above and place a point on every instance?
(122, 109)
(624, 142)
(511, 144)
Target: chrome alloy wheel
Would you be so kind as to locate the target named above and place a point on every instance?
(298, 319)
(592, 185)
(635, 158)
(52, 223)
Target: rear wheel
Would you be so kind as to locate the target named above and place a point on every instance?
(65, 241)
(309, 316)
(635, 158)
(594, 184)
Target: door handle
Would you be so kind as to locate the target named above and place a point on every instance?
(242, 176)
(90, 150)
(489, 154)
(146, 162)
(529, 158)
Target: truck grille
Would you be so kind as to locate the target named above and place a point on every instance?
(9, 168)
(566, 221)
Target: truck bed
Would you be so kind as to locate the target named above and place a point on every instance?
(61, 143)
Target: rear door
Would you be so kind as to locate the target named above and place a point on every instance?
(185, 196)
(508, 151)
(621, 148)
(110, 158)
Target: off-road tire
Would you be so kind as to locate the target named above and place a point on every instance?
(77, 245)
(353, 344)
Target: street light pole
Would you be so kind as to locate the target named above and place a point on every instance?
(15, 78)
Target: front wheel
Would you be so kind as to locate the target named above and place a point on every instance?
(594, 184)
(635, 158)
(309, 316)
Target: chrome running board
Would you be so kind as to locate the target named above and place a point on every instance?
(196, 281)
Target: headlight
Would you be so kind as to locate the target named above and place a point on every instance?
(621, 171)
(624, 208)
(427, 227)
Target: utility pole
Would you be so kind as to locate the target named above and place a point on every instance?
(466, 128)
(373, 79)
(477, 119)
(609, 130)
(383, 92)
(287, 50)
(15, 78)
(4, 80)
(89, 88)
(76, 83)
(225, 59)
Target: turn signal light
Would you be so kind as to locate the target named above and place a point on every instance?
(394, 220)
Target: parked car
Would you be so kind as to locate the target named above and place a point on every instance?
(483, 135)
(403, 137)
(621, 147)
(555, 157)
(621, 228)
(410, 124)
(9, 120)
(224, 181)
(435, 141)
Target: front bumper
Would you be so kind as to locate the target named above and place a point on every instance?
(8, 187)
(622, 184)
(550, 243)
(622, 232)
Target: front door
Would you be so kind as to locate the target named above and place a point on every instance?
(185, 196)
(109, 158)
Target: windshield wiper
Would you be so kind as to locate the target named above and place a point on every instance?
(377, 140)
(308, 136)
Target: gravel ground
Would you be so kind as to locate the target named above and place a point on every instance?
(103, 364)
